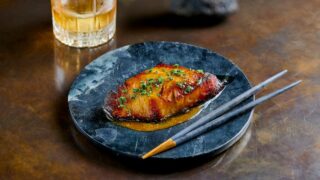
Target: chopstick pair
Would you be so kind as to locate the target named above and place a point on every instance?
(213, 120)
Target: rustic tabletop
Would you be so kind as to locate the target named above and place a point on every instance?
(38, 140)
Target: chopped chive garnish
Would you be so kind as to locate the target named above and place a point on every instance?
(177, 72)
(180, 84)
(143, 92)
(151, 81)
(124, 91)
(150, 70)
(160, 80)
(176, 65)
(159, 95)
(188, 89)
(170, 78)
(200, 71)
(143, 85)
(135, 90)
(121, 101)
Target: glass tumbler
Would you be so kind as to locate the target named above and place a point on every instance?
(84, 23)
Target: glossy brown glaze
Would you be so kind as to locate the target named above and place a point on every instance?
(37, 139)
(172, 121)
(159, 93)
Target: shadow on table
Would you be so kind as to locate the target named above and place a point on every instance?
(172, 20)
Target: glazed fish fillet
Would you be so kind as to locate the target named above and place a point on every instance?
(160, 92)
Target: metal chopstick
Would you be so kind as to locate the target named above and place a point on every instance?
(170, 143)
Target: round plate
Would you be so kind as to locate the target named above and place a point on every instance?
(104, 74)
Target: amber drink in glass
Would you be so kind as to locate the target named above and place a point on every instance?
(84, 23)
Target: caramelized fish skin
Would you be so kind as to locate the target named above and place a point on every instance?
(158, 93)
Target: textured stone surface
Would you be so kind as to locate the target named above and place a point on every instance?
(87, 94)
(204, 7)
(38, 140)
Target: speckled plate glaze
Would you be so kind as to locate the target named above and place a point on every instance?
(89, 89)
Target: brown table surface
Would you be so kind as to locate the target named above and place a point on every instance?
(38, 140)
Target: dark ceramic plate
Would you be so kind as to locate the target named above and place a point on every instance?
(88, 91)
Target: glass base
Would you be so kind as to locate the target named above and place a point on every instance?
(84, 39)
